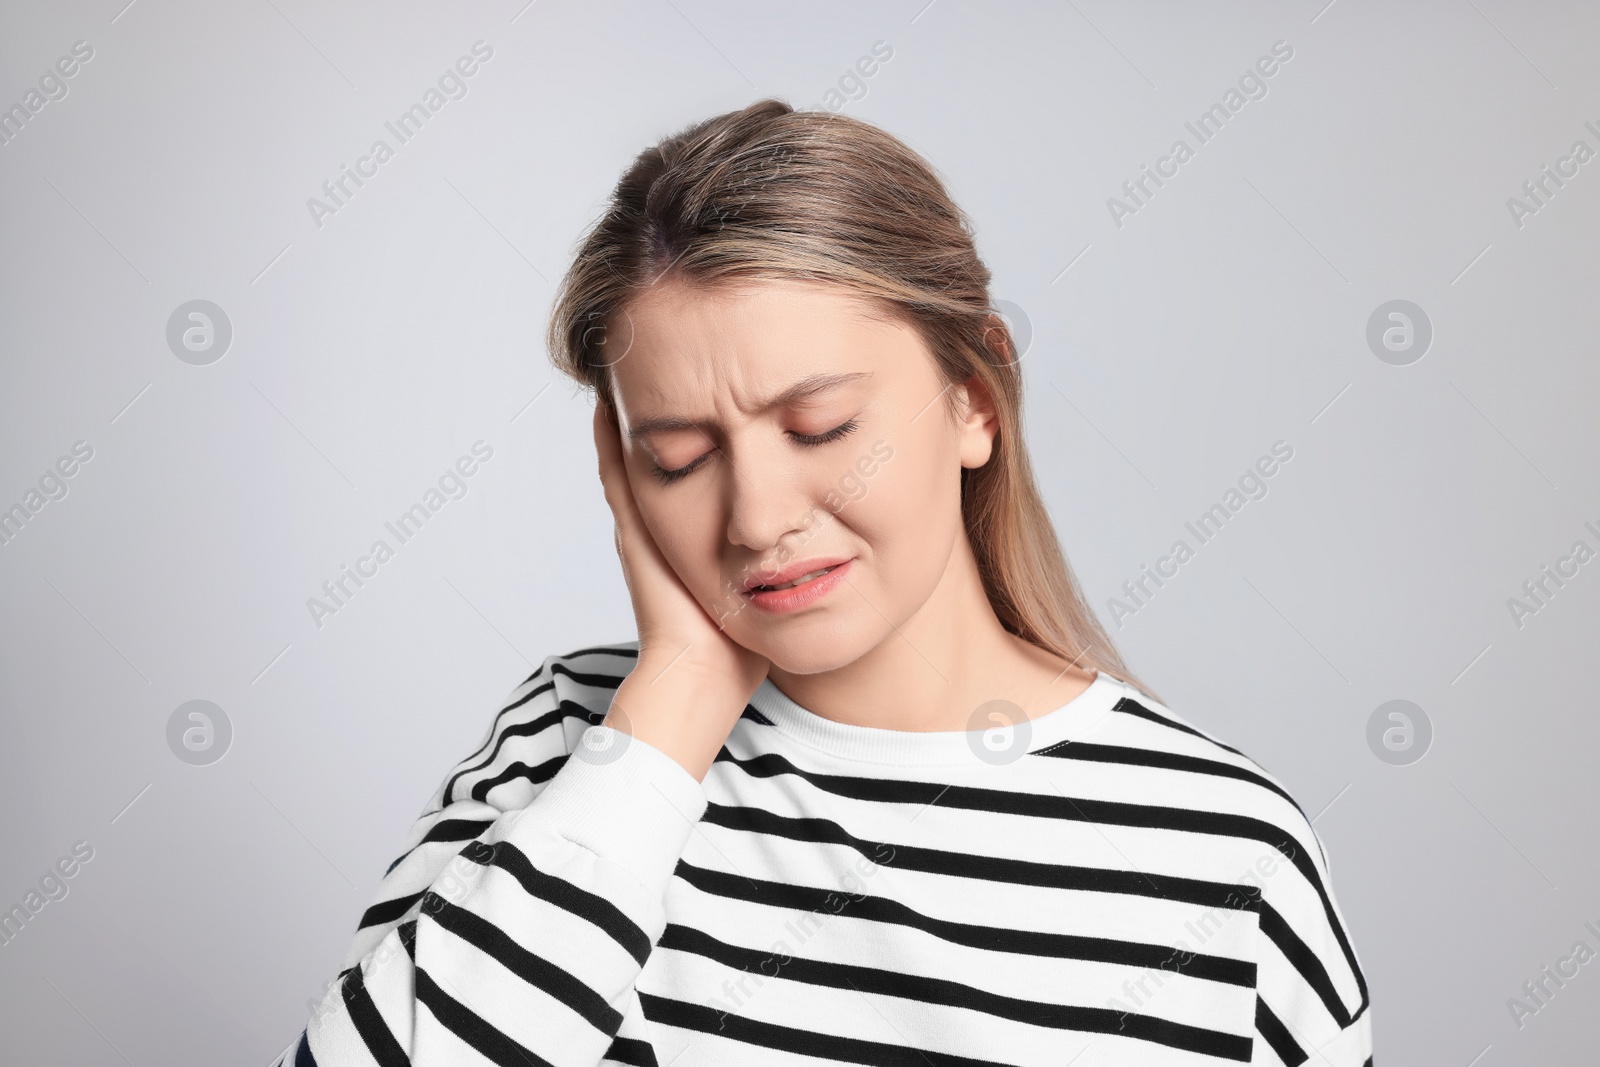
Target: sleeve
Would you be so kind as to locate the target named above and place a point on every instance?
(1311, 994)
(523, 907)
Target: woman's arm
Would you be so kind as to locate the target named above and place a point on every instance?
(1311, 994)
(523, 939)
(517, 945)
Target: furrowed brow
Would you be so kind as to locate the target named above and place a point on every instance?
(804, 389)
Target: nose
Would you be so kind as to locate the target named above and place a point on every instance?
(768, 499)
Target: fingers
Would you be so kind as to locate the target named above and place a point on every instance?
(608, 451)
(606, 441)
(613, 470)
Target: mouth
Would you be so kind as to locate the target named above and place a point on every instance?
(804, 578)
(799, 586)
(798, 574)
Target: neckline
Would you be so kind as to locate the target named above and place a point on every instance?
(871, 744)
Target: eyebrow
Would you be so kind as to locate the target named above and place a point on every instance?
(804, 389)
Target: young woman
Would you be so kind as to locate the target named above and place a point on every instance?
(872, 785)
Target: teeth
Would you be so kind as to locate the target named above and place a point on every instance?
(799, 580)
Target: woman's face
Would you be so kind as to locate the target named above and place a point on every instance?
(780, 425)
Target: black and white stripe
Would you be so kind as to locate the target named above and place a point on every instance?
(1129, 891)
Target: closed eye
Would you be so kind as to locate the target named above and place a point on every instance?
(667, 477)
(824, 438)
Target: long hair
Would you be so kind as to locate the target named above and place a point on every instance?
(768, 192)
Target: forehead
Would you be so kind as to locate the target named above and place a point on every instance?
(750, 340)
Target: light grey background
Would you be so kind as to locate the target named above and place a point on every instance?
(1167, 354)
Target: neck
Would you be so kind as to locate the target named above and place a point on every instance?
(939, 666)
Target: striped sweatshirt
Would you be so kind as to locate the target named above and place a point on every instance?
(1102, 884)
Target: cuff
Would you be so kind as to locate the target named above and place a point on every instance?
(625, 800)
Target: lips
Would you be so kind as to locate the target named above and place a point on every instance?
(794, 573)
(812, 590)
(798, 581)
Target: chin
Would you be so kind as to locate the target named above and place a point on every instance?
(823, 649)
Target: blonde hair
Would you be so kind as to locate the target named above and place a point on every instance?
(768, 192)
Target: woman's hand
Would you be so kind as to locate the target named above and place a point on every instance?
(692, 680)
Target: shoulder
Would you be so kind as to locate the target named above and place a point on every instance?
(584, 678)
(1196, 769)
(528, 738)
(536, 725)
(1269, 851)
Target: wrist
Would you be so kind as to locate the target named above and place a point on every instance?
(627, 803)
(679, 709)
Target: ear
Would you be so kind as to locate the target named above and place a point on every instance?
(978, 422)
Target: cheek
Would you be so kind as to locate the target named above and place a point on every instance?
(909, 513)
